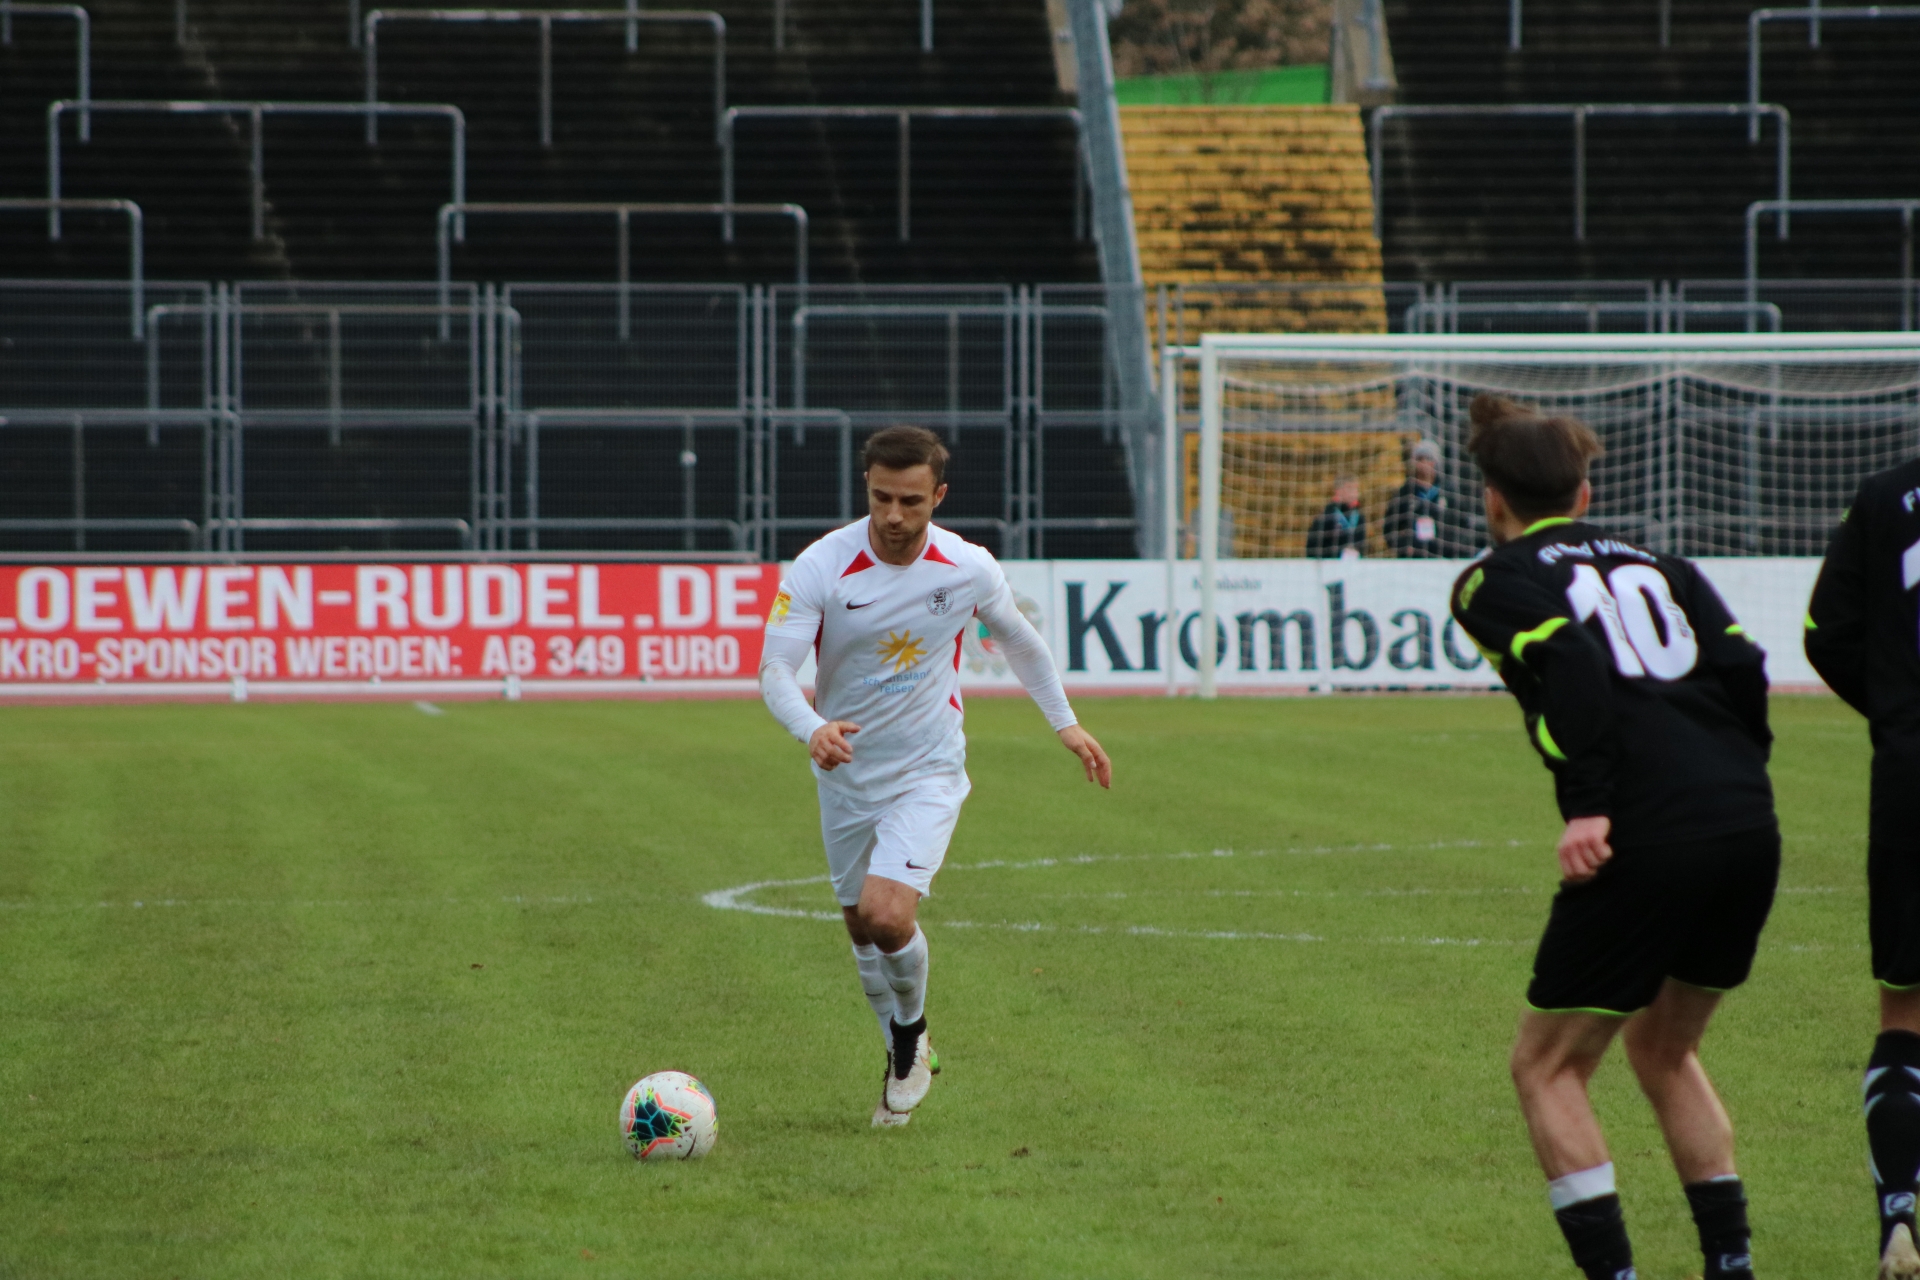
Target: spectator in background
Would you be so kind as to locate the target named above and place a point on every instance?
(1418, 524)
(1340, 531)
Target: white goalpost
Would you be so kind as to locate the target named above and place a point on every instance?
(1722, 446)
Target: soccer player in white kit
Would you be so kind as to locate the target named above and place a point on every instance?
(883, 603)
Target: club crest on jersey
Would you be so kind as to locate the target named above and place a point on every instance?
(903, 649)
(940, 601)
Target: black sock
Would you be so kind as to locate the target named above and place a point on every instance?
(905, 1041)
(1720, 1212)
(1893, 1126)
(1597, 1234)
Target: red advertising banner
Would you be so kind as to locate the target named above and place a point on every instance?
(316, 629)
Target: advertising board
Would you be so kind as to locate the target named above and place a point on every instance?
(612, 629)
(323, 629)
(1300, 625)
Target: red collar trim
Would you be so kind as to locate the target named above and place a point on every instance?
(860, 562)
(933, 553)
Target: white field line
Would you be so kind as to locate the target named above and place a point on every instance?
(1521, 890)
(135, 904)
(740, 898)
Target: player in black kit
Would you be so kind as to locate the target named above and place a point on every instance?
(1863, 637)
(1649, 705)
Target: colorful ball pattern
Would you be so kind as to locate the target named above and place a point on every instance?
(669, 1115)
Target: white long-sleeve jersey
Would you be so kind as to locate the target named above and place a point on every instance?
(887, 641)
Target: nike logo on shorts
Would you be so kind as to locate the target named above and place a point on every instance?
(852, 605)
(912, 865)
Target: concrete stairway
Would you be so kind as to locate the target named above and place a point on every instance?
(1247, 195)
(991, 201)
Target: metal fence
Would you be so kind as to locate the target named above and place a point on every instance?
(283, 417)
(1577, 115)
(554, 417)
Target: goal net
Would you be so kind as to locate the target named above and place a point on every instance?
(1743, 445)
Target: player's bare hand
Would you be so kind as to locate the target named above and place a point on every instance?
(1584, 848)
(1092, 755)
(829, 746)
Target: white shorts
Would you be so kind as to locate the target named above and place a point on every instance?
(903, 837)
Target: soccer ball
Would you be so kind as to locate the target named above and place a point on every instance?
(669, 1116)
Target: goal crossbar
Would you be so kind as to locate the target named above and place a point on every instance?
(1501, 346)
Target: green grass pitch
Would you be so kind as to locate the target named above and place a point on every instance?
(352, 990)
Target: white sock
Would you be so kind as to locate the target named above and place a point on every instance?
(1581, 1184)
(906, 971)
(873, 981)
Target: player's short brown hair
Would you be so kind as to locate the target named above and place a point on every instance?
(897, 448)
(1536, 462)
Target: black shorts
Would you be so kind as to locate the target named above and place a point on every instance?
(1690, 910)
(1893, 866)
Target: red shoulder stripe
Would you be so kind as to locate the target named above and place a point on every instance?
(933, 554)
(861, 561)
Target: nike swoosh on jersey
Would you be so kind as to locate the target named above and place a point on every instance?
(852, 605)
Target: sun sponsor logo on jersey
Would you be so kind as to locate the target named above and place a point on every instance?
(904, 651)
(778, 614)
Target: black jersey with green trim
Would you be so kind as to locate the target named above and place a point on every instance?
(1863, 623)
(1641, 693)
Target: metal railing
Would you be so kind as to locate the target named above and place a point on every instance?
(540, 427)
(76, 423)
(1781, 208)
(351, 524)
(780, 25)
(623, 215)
(688, 524)
(256, 113)
(1373, 20)
(545, 18)
(903, 117)
(632, 13)
(229, 420)
(1579, 113)
(83, 38)
(136, 239)
(951, 313)
(1116, 245)
(1659, 316)
(79, 526)
(1813, 17)
(335, 415)
(1513, 23)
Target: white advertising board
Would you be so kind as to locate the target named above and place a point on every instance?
(1297, 625)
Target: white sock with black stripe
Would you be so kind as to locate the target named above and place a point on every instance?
(906, 971)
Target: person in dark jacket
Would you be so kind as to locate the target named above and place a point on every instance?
(1419, 524)
(1863, 638)
(1340, 531)
(1648, 703)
